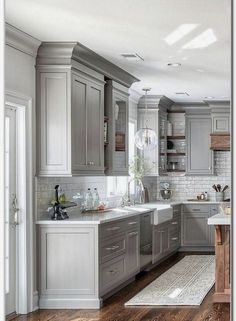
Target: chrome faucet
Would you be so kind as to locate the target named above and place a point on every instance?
(141, 193)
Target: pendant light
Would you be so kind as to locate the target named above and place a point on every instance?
(146, 138)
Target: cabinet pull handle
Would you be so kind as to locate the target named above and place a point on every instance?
(174, 223)
(196, 209)
(209, 168)
(112, 248)
(115, 228)
(174, 238)
(132, 223)
(133, 233)
(90, 163)
(113, 271)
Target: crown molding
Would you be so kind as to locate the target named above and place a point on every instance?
(63, 53)
(21, 41)
(155, 102)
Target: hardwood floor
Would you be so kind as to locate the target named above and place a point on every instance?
(114, 310)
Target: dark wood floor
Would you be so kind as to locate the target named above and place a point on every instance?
(114, 310)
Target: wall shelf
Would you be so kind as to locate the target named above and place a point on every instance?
(175, 137)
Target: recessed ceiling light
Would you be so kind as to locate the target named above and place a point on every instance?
(174, 64)
(182, 93)
(209, 97)
(132, 56)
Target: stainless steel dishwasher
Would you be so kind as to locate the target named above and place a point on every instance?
(145, 239)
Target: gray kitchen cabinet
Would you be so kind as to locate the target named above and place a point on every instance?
(157, 244)
(145, 239)
(117, 112)
(87, 110)
(70, 109)
(195, 229)
(70, 82)
(199, 155)
(196, 233)
(132, 253)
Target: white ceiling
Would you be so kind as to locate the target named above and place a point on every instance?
(133, 26)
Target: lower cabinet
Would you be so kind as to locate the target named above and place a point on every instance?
(195, 230)
(166, 236)
(132, 253)
(119, 257)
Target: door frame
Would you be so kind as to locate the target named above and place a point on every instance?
(25, 241)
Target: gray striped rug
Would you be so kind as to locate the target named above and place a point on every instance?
(185, 283)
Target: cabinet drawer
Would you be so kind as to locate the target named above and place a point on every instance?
(111, 229)
(195, 208)
(111, 273)
(111, 248)
(132, 223)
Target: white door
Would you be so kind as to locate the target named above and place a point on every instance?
(10, 209)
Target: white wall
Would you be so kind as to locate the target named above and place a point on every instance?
(20, 51)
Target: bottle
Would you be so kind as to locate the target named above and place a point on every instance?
(96, 199)
(206, 196)
(88, 200)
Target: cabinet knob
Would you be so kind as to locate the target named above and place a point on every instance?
(209, 168)
(90, 163)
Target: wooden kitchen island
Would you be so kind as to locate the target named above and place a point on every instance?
(222, 253)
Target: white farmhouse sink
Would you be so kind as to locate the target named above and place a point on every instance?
(161, 213)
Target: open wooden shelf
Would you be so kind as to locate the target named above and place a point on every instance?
(176, 154)
(175, 137)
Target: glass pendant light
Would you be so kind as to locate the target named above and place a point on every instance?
(146, 138)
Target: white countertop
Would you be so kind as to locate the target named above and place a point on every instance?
(96, 218)
(219, 219)
(76, 217)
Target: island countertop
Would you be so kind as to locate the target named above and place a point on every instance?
(219, 219)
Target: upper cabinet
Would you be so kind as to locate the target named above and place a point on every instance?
(117, 118)
(220, 115)
(70, 111)
(155, 160)
(199, 154)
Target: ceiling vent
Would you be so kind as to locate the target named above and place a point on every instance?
(132, 56)
(182, 94)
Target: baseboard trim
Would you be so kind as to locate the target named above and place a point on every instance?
(69, 303)
(35, 301)
(197, 249)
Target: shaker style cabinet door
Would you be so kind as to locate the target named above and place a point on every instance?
(87, 125)
(53, 130)
(195, 229)
(132, 257)
(199, 155)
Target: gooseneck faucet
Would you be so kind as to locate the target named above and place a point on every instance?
(58, 212)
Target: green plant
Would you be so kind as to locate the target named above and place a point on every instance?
(136, 167)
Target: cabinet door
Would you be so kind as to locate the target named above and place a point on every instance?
(220, 123)
(195, 229)
(165, 240)
(132, 256)
(79, 123)
(151, 158)
(95, 125)
(157, 249)
(199, 155)
(53, 127)
(87, 110)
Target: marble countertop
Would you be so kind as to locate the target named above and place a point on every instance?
(76, 217)
(219, 219)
